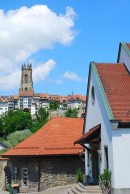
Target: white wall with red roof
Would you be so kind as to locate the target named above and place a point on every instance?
(96, 114)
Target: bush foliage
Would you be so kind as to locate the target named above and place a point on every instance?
(73, 113)
(79, 175)
(105, 180)
(17, 125)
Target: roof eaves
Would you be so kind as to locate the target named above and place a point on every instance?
(102, 91)
(87, 94)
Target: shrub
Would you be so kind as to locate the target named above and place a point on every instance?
(79, 175)
(105, 180)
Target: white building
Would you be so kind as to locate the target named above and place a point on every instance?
(3, 105)
(106, 134)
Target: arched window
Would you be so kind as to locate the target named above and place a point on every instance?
(26, 78)
(26, 89)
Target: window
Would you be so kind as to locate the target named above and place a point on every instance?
(106, 156)
(93, 94)
(24, 176)
(26, 78)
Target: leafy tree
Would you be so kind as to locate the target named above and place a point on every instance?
(71, 113)
(41, 118)
(26, 110)
(16, 121)
(1, 127)
(42, 114)
(3, 150)
(16, 137)
(54, 105)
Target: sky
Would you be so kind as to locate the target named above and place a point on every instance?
(59, 38)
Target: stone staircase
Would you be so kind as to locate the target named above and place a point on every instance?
(81, 188)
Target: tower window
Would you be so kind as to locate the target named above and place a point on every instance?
(26, 78)
(26, 89)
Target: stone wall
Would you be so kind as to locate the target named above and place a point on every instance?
(3, 163)
(59, 171)
(33, 175)
(46, 172)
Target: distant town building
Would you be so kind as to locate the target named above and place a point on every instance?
(27, 99)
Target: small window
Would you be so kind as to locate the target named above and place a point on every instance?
(93, 94)
(24, 176)
(106, 156)
(26, 78)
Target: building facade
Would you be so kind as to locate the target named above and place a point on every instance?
(28, 99)
(47, 158)
(107, 121)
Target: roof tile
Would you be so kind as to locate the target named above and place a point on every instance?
(56, 137)
(116, 82)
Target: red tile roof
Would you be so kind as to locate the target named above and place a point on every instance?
(16, 97)
(76, 97)
(116, 82)
(56, 137)
(26, 93)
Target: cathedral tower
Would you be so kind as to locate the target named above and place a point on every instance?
(26, 78)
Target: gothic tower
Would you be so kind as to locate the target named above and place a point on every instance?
(26, 78)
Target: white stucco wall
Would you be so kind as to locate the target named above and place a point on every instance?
(96, 114)
(124, 58)
(3, 110)
(121, 158)
(33, 109)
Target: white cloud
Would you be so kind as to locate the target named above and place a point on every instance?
(59, 81)
(10, 81)
(41, 71)
(72, 76)
(26, 30)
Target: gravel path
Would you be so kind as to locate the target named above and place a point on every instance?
(54, 190)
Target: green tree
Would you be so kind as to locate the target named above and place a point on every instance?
(54, 105)
(16, 121)
(42, 117)
(1, 127)
(42, 114)
(71, 113)
(16, 137)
